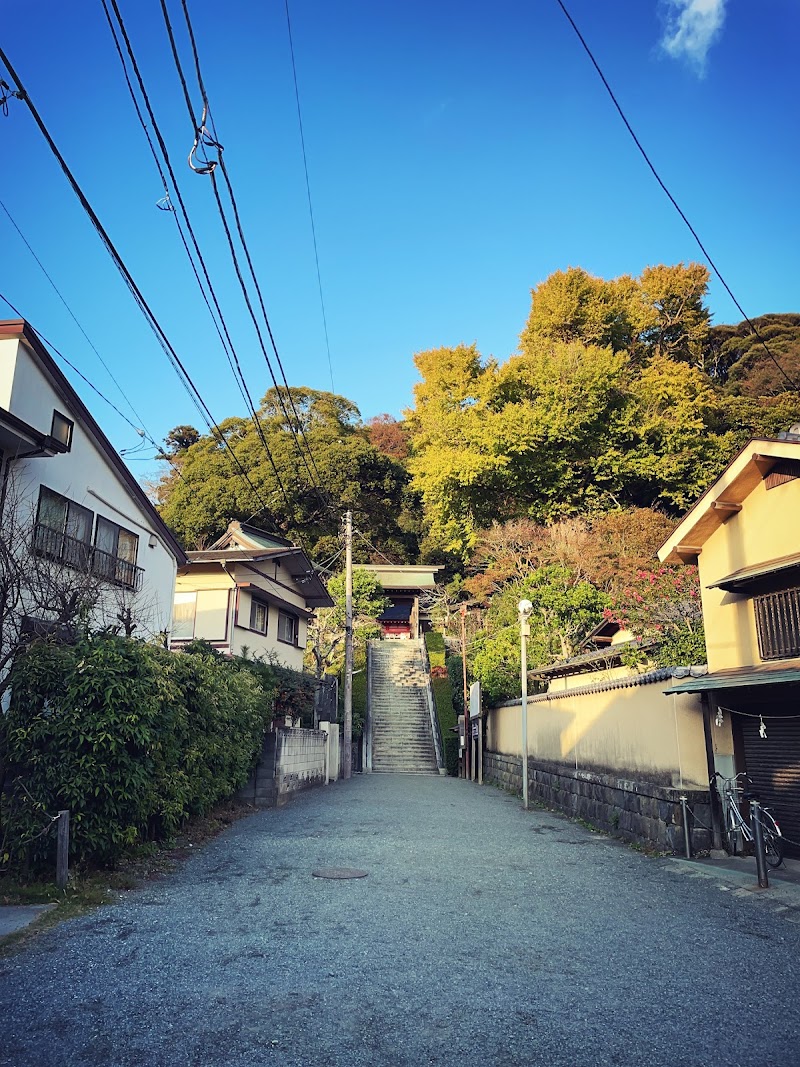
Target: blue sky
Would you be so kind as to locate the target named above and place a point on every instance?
(458, 155)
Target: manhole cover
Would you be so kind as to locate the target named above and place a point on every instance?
(338, 872)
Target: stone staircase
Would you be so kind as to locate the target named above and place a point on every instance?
(402, 736)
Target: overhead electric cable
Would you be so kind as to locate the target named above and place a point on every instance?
(669, 195)
(141, 430)
(372, 547)
(226, 341)
(169, 351)
(72, 315)
(316, 482)
(55, 351)
(308, 193)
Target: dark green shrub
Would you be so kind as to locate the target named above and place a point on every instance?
(434, 642)
(131, 738)
(456, 676)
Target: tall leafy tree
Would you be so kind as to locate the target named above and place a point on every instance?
(327, 449)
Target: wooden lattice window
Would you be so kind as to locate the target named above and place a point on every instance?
(778, 624)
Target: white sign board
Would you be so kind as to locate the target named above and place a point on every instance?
(475, 700)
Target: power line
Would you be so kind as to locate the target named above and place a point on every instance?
(72, 315)
(372, 547)
(308, 192)
(226, 341)
(200, 134)
(139, 429)
(169, 351)
(671, 198)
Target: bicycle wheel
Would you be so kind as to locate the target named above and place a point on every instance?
(773, 842)
(773, 848)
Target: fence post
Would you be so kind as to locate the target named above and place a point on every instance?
(758, 840)
(62, 850)
(687, 841)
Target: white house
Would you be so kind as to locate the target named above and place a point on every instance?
(68, 492)
(250, 590)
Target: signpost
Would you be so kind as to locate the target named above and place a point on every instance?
(476, 719)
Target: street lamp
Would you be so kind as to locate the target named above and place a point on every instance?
(524, 608)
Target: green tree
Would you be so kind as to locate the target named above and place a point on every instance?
(564, 611)
(325, 650)
(329, 450)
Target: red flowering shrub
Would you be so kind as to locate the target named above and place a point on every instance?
(664, 605)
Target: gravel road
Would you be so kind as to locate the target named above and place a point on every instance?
(482, 934)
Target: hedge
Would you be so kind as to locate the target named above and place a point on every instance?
(131, 738)
(443, 699)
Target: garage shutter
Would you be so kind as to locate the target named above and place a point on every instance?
(773, 763)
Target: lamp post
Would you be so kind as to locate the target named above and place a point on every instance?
(524, 608)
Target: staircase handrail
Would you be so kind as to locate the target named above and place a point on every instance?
(437, 731)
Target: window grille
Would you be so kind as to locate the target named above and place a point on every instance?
(778, 624)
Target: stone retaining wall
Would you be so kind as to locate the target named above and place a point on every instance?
(637, 811)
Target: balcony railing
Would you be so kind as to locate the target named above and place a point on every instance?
(85, 557)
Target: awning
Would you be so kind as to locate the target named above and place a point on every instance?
(742, 679)
(742, 580)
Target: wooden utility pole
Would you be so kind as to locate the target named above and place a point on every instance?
(467, 724)
(348, 647)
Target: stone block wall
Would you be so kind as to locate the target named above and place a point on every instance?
(290, 760)
(300, 760)
(635, 810)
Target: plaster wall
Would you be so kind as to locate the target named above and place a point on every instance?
(84, 475)
(635, 730)
(765, 529)
(232, 632)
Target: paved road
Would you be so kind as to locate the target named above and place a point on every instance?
(482, 935)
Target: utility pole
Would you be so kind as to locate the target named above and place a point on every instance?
(348, 646)
(467, 724)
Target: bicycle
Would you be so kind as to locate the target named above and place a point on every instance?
(736, 823)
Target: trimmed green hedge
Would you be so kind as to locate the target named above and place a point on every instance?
(443, 699)
(131, 738)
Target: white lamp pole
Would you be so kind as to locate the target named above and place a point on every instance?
(524, 608)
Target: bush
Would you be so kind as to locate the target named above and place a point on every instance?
(443, 699)
(132, 739)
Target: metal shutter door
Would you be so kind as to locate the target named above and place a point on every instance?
(773, 763)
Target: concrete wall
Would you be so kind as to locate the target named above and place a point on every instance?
(635, 810)
(290, 760)
(631, 729)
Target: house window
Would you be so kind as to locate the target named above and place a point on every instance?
(778, 624)
(258, 616)
(61, 430)
(287, 627)
(184, 608)
(115, 553)
(63, 530)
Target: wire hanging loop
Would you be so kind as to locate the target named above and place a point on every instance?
(164, 204)
(198, 157)
(6, 94)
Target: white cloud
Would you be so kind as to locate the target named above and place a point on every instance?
(692, 27)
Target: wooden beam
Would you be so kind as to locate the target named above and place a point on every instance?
(688, 553)
(764, 463)
(726, 508)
